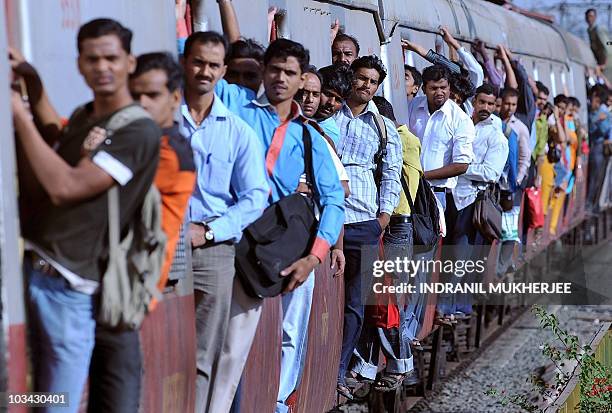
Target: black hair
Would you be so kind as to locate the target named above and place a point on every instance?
(416, 75)
(384, 107)
(338, 78)
(371, 62)
(574, 101)
(561, 98)
(548, 107)
(103, 27)
(509, 91)
(600, 91)
(461, 84)
(246, 49)
(160, 61)
(590, 10)
(435, 73)
(313, 69)
(284, 48)
(542, 88)
(345, 37)
(204, 37)
(487, 89)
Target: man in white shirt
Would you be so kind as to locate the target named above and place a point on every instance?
(445, 131)
(490, 155)
(510, 99)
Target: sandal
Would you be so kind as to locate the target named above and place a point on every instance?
(344, 391)
(353, 380)
(389, 382)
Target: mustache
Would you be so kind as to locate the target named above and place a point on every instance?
(484, 112)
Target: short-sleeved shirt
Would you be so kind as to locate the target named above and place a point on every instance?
(75, 236)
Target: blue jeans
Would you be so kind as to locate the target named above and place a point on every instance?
(62, 331)
(296, 313)
(398, 243)
(360, 252)
(417, 306)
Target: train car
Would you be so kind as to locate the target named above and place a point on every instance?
(46, 34)
(557, 58)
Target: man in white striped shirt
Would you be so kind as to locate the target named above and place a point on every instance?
(369, 207)
(490, 154)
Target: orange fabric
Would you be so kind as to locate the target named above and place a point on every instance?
(276, 146)
(175, 187)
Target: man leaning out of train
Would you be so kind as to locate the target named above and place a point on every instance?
(230, 193)
(63, 238)
(374, 196)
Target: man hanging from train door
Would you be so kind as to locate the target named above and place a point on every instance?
(446, 133)
(65, 240)
(345, 49)
(372, 199)
(231, 191)
(116, 369)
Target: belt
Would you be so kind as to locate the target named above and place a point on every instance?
(441, 189)
(40, 264)
(400, 219)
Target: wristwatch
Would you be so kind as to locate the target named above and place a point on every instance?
(209, 235)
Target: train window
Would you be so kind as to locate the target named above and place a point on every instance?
(553, 85)
(536, 75)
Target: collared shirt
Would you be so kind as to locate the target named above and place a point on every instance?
(490, 155)
(411, 168)
(231, 189)
(359, 142)
(446, 136)
(284, 148)
(524, 154)
(330, 127)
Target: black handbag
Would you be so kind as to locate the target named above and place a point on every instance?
(283, 234)
(425, 216)
(487, 216)
(554, 151)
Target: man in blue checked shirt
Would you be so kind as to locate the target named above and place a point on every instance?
(278, 123)
(369, 207)
(231, 192)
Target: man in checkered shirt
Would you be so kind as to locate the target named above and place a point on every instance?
(369, 207)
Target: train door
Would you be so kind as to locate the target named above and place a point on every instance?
(46, 33)
(12, 312)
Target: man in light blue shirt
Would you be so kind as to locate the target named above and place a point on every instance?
(231, 192)
(279, 124)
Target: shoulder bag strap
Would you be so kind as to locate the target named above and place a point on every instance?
(113, 221)
(308, 166)
(407, 192)
(382, 132)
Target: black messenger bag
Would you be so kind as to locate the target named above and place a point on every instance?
(283, 234)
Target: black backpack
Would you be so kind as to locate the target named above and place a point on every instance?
(425, 214)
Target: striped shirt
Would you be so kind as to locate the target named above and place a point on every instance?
(359, 142)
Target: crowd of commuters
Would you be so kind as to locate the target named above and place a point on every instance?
(244, 112)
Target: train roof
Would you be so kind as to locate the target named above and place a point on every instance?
(470, 19)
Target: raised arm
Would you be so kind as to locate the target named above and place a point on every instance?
(229, 21)
(470, 63)
(510, 76)
(495, 78)
(526, 104)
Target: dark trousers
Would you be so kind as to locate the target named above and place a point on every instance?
(360, 251)
(115, 372)
(597, 169)
(459, 246)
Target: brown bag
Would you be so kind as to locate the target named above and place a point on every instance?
(487, 216)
